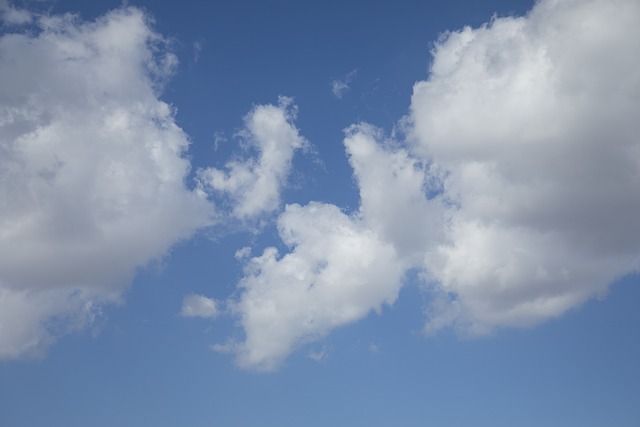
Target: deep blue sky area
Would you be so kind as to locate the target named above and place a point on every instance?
(144, 362)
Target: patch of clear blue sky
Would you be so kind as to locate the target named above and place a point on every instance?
(146, 366)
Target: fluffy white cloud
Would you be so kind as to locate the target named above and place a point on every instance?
(394, 188)
(337, 271)
(339, 267)
(199, 306)
(532, 123)
(515, 194)
(91, 171)
(254, 184)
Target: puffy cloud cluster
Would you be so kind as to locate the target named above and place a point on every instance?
(515, 194)
(336, 272)
(532, 123)
(340, 268)
(92, 173)
(253, 184)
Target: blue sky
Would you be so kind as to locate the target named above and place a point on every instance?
(308, 214)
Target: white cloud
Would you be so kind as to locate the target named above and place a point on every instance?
(23, 329)
(533, 124)
(340, 86)
(392, 186)
(340, 267)
(336, 273)
(243, 253)
(11, 15)
(91, 171)
(199, 306)
(515, 195)
(254, 184)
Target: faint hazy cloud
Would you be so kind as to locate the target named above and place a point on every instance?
(198, 46)
(219, 138)
(319, 355)
(194, 305)
(340, 86)
(243, 253)
(11, 15)
(92, 173)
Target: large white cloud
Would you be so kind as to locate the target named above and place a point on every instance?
(92, 173)
(515, 194)
(533, 125)
(339, 267)
(337, 271)
(253, 184)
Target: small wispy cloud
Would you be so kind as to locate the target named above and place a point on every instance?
(199, 306)
(243, 253)
(219, 138)
(340, 86)
(319, 355)
(198, 45)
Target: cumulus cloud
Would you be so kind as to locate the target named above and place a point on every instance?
(339, 267)
(340, 86)
(532, 122)
(199, 306)
(336, 273)
(253, 184)
(92, 173)
(515, 194)
(394, 191)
